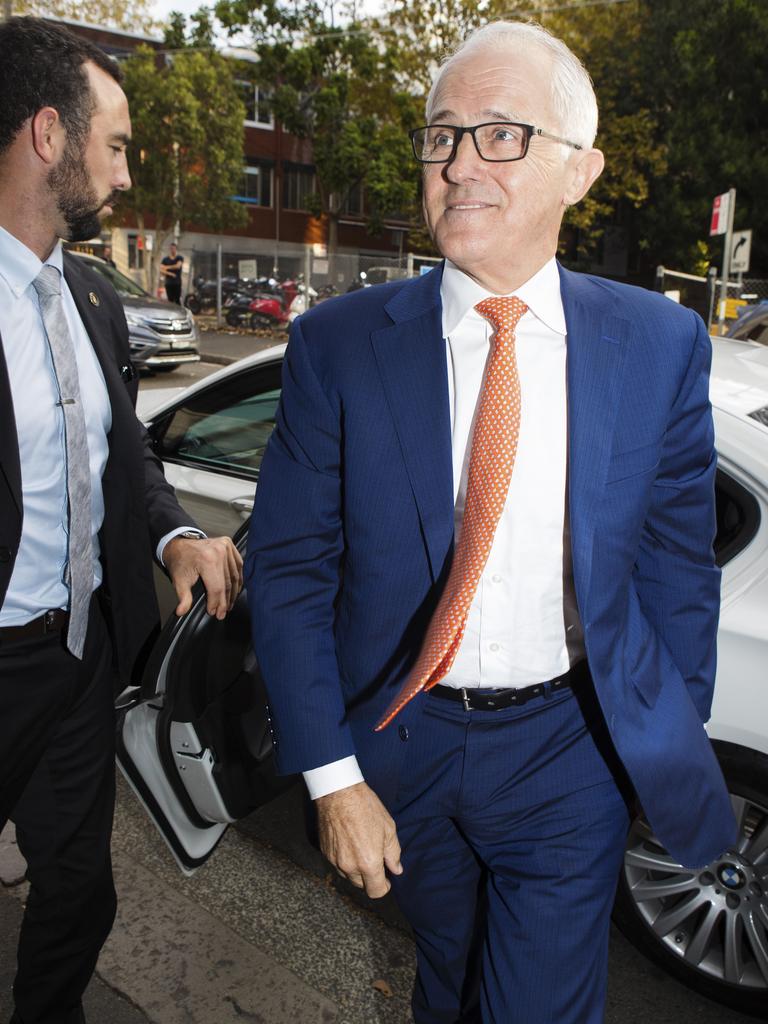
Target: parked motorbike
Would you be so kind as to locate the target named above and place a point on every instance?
(237, 311)
(269, 303)
(204, 291)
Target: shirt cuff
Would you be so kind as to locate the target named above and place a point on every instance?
(175, 533)
(330, 777)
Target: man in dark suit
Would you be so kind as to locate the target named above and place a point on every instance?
(480, 566)
(83, 505)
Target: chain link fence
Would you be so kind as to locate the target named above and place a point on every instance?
(215, 276)
(703, 295)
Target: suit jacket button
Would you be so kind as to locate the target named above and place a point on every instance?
(402, 732)
(5, 554)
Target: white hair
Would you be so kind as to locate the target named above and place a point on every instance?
(573, 96)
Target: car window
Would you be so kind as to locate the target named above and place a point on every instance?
(123, 285)
(738, 517)
(752, 327)
(224, 428)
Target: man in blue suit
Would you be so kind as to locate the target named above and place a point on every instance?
(479, 651)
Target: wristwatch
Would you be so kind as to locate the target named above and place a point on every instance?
(191, 535)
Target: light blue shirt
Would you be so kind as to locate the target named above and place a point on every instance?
(37, 581)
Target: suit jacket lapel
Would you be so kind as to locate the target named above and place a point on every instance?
(412, 362)
(98, 327)
(9, 445)
(597, 343)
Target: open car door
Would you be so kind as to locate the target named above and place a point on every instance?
(193, 741)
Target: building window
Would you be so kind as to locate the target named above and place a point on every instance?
(135, 252)
(353, 202)
(258, 112)
(256, 184)
(298, 185)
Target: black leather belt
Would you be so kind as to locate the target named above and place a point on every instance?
(497, 700)
(52, 621)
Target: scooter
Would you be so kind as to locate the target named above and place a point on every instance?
(203, 294)
(238, 306)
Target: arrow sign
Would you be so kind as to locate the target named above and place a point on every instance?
(742, 243)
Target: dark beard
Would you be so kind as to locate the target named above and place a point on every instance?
(75, 196)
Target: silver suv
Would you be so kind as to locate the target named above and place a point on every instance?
(162, 334)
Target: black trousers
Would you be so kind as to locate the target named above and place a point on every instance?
(57, 784)
(173, 289)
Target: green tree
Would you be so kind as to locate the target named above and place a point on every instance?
(199, 35)
(337, 87)
(606, 38)
(609, 40)
(705, 75)
(130, 15)
(187, 147)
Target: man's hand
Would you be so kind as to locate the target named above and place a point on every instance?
(359, 838)
(215, 560)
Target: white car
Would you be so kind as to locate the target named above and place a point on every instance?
(194, 742)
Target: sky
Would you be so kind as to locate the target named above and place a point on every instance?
(162, 10)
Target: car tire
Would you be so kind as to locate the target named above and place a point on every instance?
(192, 303)
(701, 926)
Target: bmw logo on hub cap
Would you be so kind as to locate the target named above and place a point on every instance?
(731, 876)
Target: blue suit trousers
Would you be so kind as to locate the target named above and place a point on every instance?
(513, 825)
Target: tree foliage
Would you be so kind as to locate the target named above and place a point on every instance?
(187, 147)
(129, 15)
(336, 86)
(704, 74)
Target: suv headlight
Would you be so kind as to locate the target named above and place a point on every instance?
(134, 321)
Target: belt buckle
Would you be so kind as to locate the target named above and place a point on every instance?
(49, 620)
(465, 699)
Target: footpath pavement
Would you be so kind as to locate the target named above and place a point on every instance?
(226, 345)
(254, 938)
(250, 938)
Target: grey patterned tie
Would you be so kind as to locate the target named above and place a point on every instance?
(79, 575)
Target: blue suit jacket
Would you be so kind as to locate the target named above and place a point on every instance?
(352, 535)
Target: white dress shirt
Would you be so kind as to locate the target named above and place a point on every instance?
(37, 581)
(523, 626)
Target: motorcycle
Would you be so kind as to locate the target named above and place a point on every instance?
(274, 305)
(204, 292)
(255, 304)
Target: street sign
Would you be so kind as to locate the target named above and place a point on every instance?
(742, 243)
(731, 307)
(719, 222)
(246, 270)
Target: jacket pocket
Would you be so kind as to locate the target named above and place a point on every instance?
(634, 462)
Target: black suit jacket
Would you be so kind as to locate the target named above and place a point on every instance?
(140, 506)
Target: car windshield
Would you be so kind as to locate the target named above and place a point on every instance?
(123, 285)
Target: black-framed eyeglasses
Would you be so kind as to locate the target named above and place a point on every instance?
(495, 141)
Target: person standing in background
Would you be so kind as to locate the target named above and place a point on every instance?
(171, 267)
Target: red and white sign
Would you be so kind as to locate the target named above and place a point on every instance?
(719, 224)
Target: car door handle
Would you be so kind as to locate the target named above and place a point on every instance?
(243, 506)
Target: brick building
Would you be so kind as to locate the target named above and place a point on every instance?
(278, 175)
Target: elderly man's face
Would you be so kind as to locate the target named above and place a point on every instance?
(499, 222)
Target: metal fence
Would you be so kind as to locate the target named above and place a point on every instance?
(703, 294)
(213, 273)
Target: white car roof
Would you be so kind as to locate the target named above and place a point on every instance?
(738, 384)
(152, 403)
(739, 381)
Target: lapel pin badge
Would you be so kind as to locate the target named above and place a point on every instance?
(94, 299)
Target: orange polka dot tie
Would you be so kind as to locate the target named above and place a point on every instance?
(494, 446)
